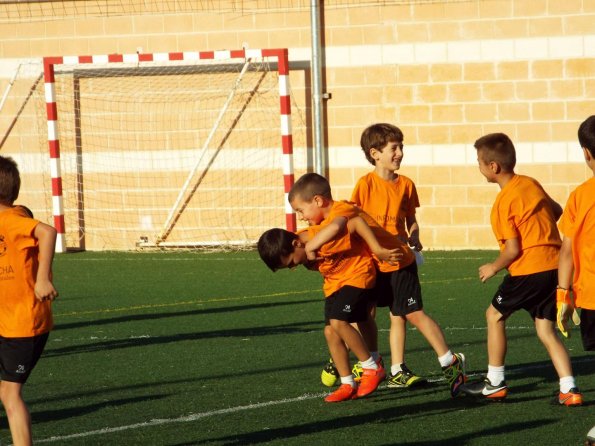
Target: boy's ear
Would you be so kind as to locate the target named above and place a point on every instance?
(297, 243)
(495, 167)
(586, 154)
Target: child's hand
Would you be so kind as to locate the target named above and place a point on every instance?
(389, 255)
(44, 290)
(486, 272)
(415, 243)
(312, 256)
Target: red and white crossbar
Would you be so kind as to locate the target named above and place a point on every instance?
(49, 64)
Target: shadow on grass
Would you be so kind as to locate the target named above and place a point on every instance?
(297, 327)
(388, 415)
(155, 316)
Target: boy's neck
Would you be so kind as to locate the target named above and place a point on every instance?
(503, 178)
(385, 174)
(5, 206)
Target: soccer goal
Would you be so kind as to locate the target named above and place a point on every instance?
(185, 149)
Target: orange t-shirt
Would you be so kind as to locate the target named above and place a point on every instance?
(578, 223)
(522, 211)
(21, 314)
(387, 202)
(346, 260)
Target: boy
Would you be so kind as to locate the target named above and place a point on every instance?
(523, 219)
(26, 254)
(577, 255)
(391, 200)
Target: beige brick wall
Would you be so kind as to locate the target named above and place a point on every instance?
(446, 72)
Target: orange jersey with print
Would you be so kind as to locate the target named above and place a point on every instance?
(522, 211)
(21, 314)
(345, 259)
(578, 223)
(387, 202)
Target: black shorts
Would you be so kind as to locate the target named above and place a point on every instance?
(406, 291)
(349, 304)
(18, 357)
(588, 329)
(535, 293)
(382, 293)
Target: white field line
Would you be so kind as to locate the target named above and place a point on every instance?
(198, 416)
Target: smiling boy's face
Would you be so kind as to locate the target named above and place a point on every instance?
(309, 211)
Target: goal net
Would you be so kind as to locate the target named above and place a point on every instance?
(170, 149)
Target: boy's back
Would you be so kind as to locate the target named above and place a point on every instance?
(21, 314)
(522, 211)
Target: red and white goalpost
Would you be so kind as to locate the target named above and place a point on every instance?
(169, 149)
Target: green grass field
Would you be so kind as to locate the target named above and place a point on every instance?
(214, 349)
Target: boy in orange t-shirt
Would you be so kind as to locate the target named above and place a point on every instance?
(523, 219)
(577, 224)
(391, 199)
(26, 253)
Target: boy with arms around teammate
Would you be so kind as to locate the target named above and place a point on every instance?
(523, 219)
(26, 254)
(390, 199)
(348, 272)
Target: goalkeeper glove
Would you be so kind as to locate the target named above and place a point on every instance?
(565, 310)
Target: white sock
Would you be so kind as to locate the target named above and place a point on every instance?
(369, 364)
(348, 380)
(395, 368)
(446, 359)
(495, 374)
(567, 383)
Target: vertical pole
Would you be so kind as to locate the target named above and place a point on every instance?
(54, 147)
(317, 96)
(286, 136)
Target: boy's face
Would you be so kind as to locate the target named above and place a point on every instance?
(308, 211)
(297, 257)
(486, 168)
(390, 156)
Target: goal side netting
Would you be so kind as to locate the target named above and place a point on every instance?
(184, 150)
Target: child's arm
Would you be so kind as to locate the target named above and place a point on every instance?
(325, 235)
(510, 252)
(361, 228)
(46, 236)
(564, 299)
(413, 229)
(556, 208)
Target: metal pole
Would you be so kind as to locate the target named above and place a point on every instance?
(317, 96)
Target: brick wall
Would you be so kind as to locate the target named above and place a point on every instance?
(445, 72)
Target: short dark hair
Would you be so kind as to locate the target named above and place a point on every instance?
(10, 181)
(586, 134)
(274, 244)
(308, 186)
(377, 136)
(497, 147)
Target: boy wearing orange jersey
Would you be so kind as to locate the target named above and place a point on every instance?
(523, 219)
(26, 253)
(391, 200)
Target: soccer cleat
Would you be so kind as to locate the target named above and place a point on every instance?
(486, 389)
(329, 375)
(572, 398)
(371, 378)
(405, 379)
(455, 374)
(357, 371)
(343, 393)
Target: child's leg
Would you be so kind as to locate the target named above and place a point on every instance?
(351, 337)
(430, 330)
(497, 342)
(338, 351)
(554, 346)
(369, 329)
(396, 338)
(17, 413)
